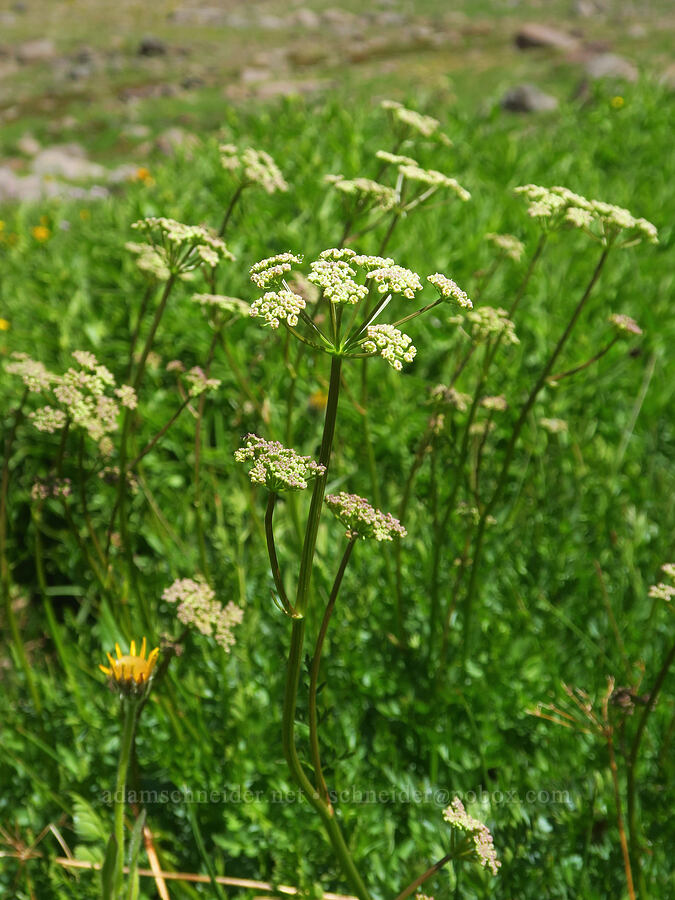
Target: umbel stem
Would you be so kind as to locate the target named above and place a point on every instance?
(319, 802)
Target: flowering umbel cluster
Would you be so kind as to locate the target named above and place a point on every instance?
(198, 607)
(366, 190)
(508, 244)
(624, 324)
(277, 467)
(662, 590)
(557, 206)
(361, 519)
(346, 278)
(482, 844)
(410, 118)
(177, 248)
(253, 167)
(392, 345)
(87, 397)
(448, 290)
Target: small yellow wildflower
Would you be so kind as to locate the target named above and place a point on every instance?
(85, 215)
(317, 400)
(2, 225)
(143, 174)
(4, 325)
(41, 233)
(617, 102)
(131, 672)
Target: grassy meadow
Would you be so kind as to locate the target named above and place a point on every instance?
(469, 659)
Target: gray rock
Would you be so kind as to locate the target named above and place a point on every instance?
(254, 75)
(33, 188)
(28, 145)
(611, 65)
(667, 78)
(66, 161)
(528, 98)
(205, 15)
(534, 35)
(174, 139)
(36, 51)
(307, 18)
(152, 46)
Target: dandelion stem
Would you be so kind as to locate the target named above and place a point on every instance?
(120, 787)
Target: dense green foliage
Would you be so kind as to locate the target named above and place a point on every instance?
(399, 717)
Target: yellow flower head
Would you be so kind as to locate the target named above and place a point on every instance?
(130, 672)
(41, 233)
(617, 102)
(4, 325)
(143, 174)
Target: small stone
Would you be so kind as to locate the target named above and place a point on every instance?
(152, 46)
(533, 35)
(611, 65)
(528, 98)
(667, 78)
(307, 18)
(66, 161)
(28, 144)
(251, 75)
(174, 139)
(35, 51)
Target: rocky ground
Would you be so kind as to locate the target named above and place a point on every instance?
(125, 82)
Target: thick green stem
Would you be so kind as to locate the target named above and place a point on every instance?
(272, 553)
(120, 787)
(309, 545)
(290, 753)
(314, 675)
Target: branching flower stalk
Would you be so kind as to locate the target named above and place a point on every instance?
(510, 449)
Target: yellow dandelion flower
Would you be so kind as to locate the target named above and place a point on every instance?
(317, 400)
(617, 102)
(131, 671)
(143, 174)
(41, 233)
(85, 215)
(4, 325)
